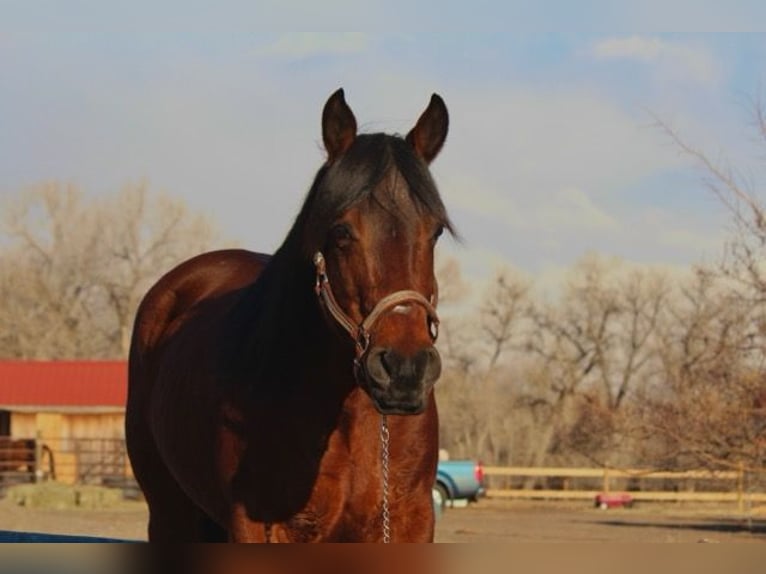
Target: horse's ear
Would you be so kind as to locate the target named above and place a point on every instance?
(338, 126)
(428, 135)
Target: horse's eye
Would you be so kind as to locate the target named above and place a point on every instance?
(438, 232)
(341, 234)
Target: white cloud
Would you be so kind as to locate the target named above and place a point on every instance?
(544, 176)
(572, 208)
(469, 193)
(546, 158)
(305, 44)
(537, 142)
(678, 59)
(567, 209)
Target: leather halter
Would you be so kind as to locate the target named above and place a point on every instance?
(361, 333)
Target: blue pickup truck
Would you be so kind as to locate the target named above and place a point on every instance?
(457, 480)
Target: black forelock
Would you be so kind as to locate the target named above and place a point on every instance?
(355, 176)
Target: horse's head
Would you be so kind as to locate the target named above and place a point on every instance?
(377, 216)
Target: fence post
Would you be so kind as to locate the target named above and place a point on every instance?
(606, 479)
(741, 488)
(38, 456)
(77, 461)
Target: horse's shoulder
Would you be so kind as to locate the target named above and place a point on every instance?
(213, 271)
(200, 278)
(223, 263)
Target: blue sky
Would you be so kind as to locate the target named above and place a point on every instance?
(551, 151)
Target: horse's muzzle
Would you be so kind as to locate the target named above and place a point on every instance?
(400, 384)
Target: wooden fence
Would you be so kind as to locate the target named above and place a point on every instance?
(585, 483)
(70, 461)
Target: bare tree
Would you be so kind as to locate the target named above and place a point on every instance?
(455, 337)
(641, 299)
(147, 236)
(710, 409)
(73, 269)
(744, 254)
(46, 267)
(474, 395)
(567, 340)
(532, 382)
(501, 312)
(706, 408)
(593, 348)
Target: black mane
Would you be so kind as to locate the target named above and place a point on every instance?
(355, 176)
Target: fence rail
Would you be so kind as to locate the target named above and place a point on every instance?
(18, 460)
(67, 460)
(104, 461)
(678, 486)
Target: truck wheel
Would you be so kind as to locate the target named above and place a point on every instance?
(440, 496)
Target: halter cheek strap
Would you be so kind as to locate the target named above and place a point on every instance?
(361, 333)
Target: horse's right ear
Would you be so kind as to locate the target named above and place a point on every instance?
(429, 133)
(338, 126)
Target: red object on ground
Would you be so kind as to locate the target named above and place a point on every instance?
(613, 500)
(478, 472)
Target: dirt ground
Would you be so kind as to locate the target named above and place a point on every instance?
(495, 521)
(489, 521)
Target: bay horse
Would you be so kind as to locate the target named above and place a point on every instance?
(289, 398)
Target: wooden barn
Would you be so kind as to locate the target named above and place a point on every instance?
(75, 411)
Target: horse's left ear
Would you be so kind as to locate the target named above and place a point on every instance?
(338, 126)
(428, 135)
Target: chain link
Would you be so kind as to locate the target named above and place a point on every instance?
(384, 443)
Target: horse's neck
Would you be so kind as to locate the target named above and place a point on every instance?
(297, 341)
(280, 325)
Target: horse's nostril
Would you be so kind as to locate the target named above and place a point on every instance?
(433, 365)
(378, 365)
(386, 362)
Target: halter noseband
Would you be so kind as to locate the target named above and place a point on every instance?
(361, 333)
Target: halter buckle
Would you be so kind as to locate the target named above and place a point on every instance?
(362, 341)
(321, 275)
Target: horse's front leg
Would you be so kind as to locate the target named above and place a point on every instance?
(244, 529)
(414, 521)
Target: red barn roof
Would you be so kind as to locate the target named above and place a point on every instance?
(63, 383)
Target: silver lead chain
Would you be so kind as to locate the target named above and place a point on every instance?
(384, 442)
